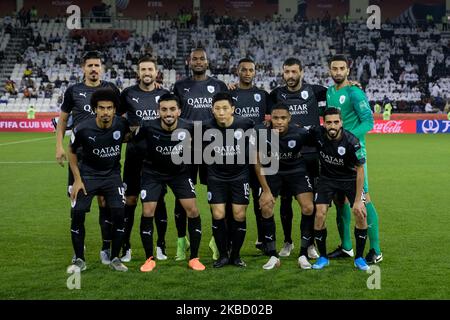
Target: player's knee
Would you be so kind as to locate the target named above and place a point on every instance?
(239, 216)
(101, 201)
(131, 200)
(308, 208)
(267, 211)
(321, 213)
(192, 211)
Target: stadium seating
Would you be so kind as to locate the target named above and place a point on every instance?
(398, 63)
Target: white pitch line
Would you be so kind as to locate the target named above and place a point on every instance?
(27, 162)
(24, 141)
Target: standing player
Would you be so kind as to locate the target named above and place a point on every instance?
(77, 104)
(140, 104)
(228, 177)
(303, 100)
(357, 118)
(292, 173)
(166, 138)
(97, 172)
(342, 173)
(195, 94)
(251, 102)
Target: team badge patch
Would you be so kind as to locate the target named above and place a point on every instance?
(210, 89)
(305, 95)
(292, 143)
(209, 196)
(116, 135)
(143, 194)
(238, 134)
(341, 99)
(257, 97)
(156, 99)
(181, 135)
(341, 151)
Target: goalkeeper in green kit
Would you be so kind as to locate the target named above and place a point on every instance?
(358, 119)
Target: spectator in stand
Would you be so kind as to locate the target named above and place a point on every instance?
(10, 87)
(429, 108)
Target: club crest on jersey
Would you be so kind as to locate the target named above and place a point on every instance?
(143, 194)
(341, 99)
(210, 89)
(292, 143)
(238, 134)
(181, 135)
(116, 135)
(257, 97)
(157, 99)
(304, 95)
(341, 151)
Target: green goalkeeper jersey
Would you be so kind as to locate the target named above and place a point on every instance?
(355, 110)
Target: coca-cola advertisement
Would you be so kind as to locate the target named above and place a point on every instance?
(394, 126)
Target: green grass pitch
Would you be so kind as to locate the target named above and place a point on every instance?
(409, 183)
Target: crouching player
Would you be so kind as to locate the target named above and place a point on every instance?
(101, 141)
(342, 174)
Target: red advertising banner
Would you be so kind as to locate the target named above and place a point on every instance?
(394, 126)
(26, 125)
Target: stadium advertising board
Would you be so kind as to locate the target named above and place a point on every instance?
(433, 126)
(26, 125)
(394, 126)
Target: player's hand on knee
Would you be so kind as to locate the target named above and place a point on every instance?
(61, 156)
(77, 187)
(359, 210)
(266, 199)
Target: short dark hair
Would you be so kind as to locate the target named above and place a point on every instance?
(338, 57)
(332, 111)
(222, 96)
(169, 97)
(199, 49)
(147, 58)
(246, 60)
(105, 94)
(292, 61)
(91, 55)
(280, 106)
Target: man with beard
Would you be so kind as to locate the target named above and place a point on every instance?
(342, 174)
(303, 100)
(195, 94)
(77, 104)
(357, 118)
(98, 142)
(167, 138)
(140, 104)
